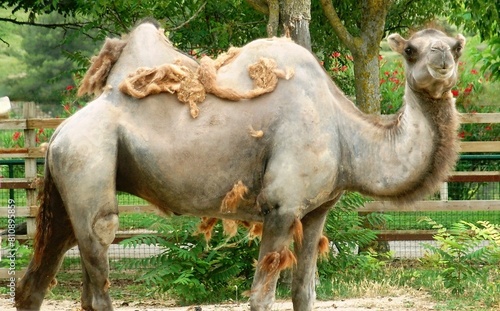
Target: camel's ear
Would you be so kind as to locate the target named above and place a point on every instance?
(396, 42)
(462, 40)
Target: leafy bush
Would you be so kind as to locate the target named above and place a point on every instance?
(192, 270)
(462, 254)
(344, 227)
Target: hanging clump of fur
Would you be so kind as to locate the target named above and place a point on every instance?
(95, 78)
(169, 78)
(206, 227)
(191, 87)
(264, 73)
(233, 198)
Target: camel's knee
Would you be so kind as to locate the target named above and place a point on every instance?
(105, 228)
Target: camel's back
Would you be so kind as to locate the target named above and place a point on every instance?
(289, 57)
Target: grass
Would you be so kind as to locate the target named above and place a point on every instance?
(409, 278)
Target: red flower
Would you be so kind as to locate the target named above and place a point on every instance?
(461, 134)
(349, 57)
(344, 68)
(473, 71)
(386, 73)
(69, 87)
(380, 57)
(40, 131)
(66, 108)
(16, 136)
(455, 93)
(336, 54)
(468, 89)
(382, 81)
(488, 128)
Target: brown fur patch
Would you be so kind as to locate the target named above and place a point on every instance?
(255, 230)
(169, 78)
(323, 247)
(256, 134)
(107, 285)
(191, 87)
(297, 232)
(233, 198)
(53, 283)
(206, 226)
(95, 79)
(274, 262)
(230, 227)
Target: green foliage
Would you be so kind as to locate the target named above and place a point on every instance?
(476, 16)
(461, 253)
(192, 270)
(489, 58)
(20, 252)
(345, 229)
(49, 71)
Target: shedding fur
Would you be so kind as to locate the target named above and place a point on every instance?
(168, 78)
(206, 226)
(275, 262)
(230, 227)
(94, 80)
(264, 73)
(191, 87)
(255, 230)
(233, 198)
(107, 285)
(256, 134)
(297, 232)
(323, 247)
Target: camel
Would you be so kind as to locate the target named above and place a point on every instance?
(313, 144)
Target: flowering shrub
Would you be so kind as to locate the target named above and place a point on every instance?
(392, 86)
(341, 69)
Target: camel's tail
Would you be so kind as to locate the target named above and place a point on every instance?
(51, 211)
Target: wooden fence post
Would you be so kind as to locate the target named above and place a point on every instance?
(30, 166)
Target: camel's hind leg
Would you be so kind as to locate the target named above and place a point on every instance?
(95, 215)
(57, 239)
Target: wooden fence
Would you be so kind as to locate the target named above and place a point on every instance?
(29, 124)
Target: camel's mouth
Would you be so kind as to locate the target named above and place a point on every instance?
(441, 73)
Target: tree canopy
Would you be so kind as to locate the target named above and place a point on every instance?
(209, 26)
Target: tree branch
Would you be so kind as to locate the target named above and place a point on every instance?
(189, 19)
(259, 5)
(337, 25)
(274, 16)
(52, 25)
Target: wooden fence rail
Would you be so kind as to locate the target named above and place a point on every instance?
(29, 124)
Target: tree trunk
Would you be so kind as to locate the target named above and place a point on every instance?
(295, 16)
(291, 17)
(364, 48)
(366, 79)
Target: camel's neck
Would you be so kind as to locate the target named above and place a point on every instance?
(405, 157)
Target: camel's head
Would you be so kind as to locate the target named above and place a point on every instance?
(431, 60)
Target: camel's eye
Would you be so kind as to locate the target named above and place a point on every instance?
(410, 51)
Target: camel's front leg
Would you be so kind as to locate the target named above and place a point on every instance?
(303, 284)
(274, 256)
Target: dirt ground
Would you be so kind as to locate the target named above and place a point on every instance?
(415, 302)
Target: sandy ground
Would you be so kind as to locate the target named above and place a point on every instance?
(397, 303)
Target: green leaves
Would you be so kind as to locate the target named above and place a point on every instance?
(188, 268)
(463, 252)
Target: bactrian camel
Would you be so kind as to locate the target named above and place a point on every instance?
(291, 152)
